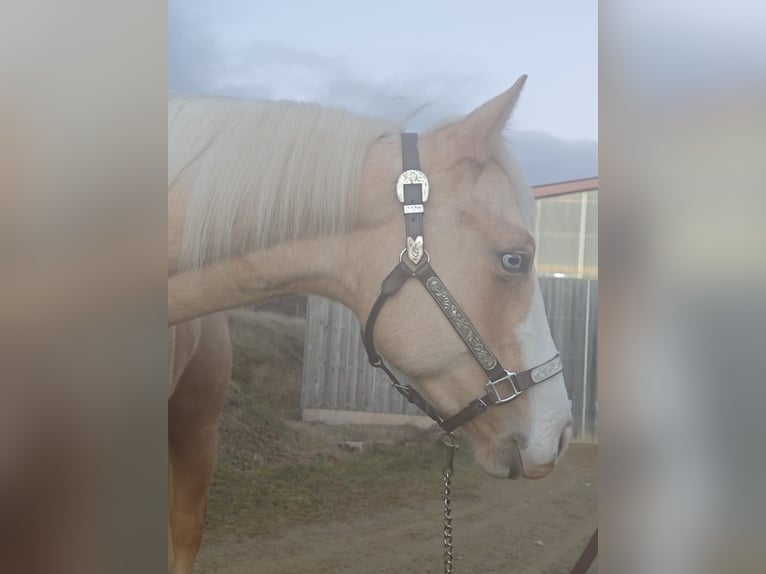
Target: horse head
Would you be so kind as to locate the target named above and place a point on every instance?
(478, 225)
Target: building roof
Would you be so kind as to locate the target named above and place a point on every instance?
(564, 187)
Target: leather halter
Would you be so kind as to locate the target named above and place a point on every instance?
(502, 386)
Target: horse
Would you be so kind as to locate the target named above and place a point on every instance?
(267, 199)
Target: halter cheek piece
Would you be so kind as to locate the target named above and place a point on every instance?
(502, 385)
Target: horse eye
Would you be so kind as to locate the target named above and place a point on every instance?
(514, 262)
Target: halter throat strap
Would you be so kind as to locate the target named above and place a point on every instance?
(502, 386)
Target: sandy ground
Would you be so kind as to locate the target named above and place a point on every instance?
(519, 527)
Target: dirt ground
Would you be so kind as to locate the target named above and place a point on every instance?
(286, 500)
(523, 527)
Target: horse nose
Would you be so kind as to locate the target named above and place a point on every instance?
(566, 436)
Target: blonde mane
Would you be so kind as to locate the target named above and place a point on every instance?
(258, 173)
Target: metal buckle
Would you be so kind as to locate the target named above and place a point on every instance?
(412, 176)
(492, 387)
(425, 252)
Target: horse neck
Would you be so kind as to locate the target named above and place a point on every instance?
(318, 255)
(316, 266)
(327, 265)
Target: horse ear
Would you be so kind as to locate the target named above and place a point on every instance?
(473, 136)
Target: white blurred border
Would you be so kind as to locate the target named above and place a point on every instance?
(683, 143)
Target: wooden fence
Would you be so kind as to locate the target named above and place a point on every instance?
(339, 385)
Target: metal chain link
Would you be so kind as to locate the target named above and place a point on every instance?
(447, 524)
(449, 442)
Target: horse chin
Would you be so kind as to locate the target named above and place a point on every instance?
(501, 460)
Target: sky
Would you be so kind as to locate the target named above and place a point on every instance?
(389, 58)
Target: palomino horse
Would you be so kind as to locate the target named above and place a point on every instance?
(267, 199)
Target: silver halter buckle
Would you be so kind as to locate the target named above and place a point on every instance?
(412, 176)
(492, 387)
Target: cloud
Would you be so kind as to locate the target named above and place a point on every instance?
(198, 63)
(194, 58)
(267, 71)
(548, 159)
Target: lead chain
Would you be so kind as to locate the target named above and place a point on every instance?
(447, 525)
(449, 442)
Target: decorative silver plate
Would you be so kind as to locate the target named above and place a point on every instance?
(462, 324)
(412, 176)
(415, 249)
(547, 370)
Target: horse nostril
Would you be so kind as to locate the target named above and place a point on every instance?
(566, 435)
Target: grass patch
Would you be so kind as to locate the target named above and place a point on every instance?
(274, 472)
(269, 498)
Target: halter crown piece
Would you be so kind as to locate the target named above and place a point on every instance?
(502, 386)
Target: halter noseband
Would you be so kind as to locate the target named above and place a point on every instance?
(502, 385)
